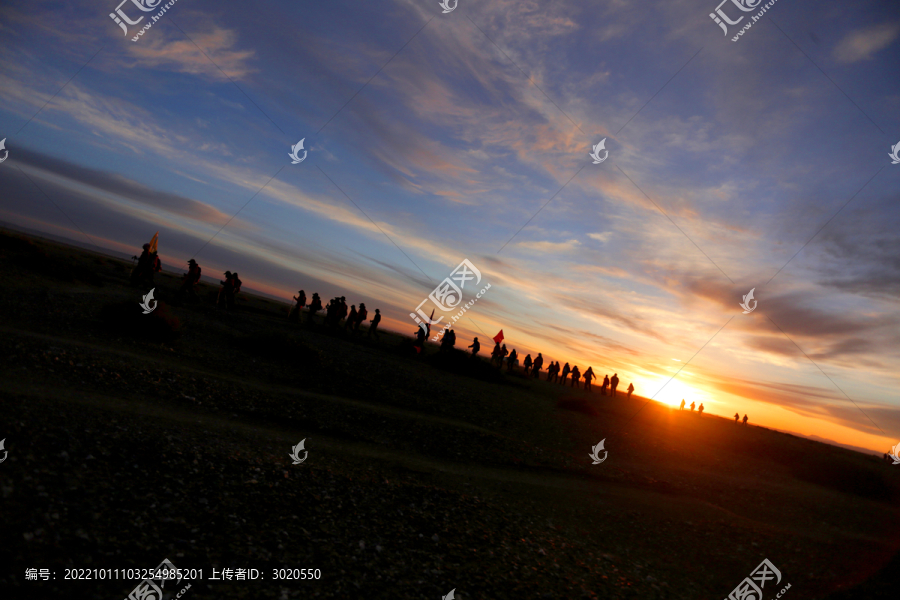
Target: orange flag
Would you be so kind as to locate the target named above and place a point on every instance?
(154, 241)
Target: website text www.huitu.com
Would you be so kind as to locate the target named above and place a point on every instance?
(753, 19)
(154, 19)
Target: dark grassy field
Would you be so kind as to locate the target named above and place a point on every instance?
(133, 438)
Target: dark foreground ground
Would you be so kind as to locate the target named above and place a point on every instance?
(133, 438)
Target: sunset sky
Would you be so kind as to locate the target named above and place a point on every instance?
(433, 138)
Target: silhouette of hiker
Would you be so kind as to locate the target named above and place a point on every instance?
(237, 282)
(373, 328)
(447, 341)
(147, 265)
(614, 383)
(692, 407)
(527, 364)
(503, 354)
(294, 315)
(605, 383)
(314, 307)
(630, 390)
(351, 319)
(682, 405)
(565, 374)
(226, 292)
(552, 371)
(576, 376)
(588, 375)
(745, 419)
(538, 363)
(736, 417)
(701, 409)
(419, 345)
(475, 347)
(496, 354)
(361, 316)
(143, 265)
(190, 280)
(512, 360)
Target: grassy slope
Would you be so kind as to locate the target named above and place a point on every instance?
(421, 477)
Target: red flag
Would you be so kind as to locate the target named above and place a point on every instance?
(499, 337)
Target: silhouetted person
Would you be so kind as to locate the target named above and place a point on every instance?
(552, 371)
(630, 390)
(538, 363)
(475, 347)
(301, 302)
(745, 419)
(373, 327)
(605, 383)
(419, 345)
(512, 360)
(588, 375)
(226, 292)
(314, 306)
(527, 364)
(682, 405)
(503, 354)
(700, 411)
(736, 417)
(496, 354)
(190, 280)
(692, 407)
(565, 373)
(576, 376)
(447, 341)
(613, 384)
(147, 265)
(351, 319)
(361, 315)
(237, 283)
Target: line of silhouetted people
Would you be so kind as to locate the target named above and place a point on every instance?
(701, 409)
(337, 314)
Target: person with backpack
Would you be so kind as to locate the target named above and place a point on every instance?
(300, 298)
(373, 328)
(588, 375)
(361, 316)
